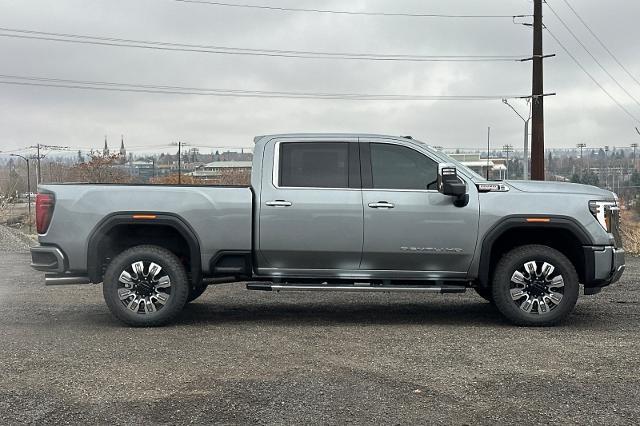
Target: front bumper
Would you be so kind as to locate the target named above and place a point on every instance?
(604, 265)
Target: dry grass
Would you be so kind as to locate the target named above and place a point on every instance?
(630, 230)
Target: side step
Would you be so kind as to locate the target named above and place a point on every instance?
(269, 286)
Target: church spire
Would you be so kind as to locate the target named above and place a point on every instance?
(123, 151)
(105, 151)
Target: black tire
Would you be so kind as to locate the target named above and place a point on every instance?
(195, 292)
(485, 293)
(543, 287)
(176, 294)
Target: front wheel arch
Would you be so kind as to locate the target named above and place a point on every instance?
(562, 233)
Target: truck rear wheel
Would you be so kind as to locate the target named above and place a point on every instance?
(145, 286)
(535, 285)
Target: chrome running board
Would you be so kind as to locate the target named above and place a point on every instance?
(268, 286)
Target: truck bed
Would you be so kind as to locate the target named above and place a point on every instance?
(220, 216)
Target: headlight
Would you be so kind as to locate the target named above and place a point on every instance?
(603, 212)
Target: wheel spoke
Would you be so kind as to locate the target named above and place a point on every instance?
(138, 268)
(547, 270)
(556, 282)
(527, 305)
(543, 308)
(517, 293)
(126, 279)
(134, 305)
(518, 278)
(154, 269)
(125, 293)
(555, 297)
(149, 307)
(531, 268)
(163, 282)
(161, 298)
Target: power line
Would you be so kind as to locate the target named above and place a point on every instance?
(178, 90)
(348, 12)
(223, 50)
(591, 55)
(602, 43)
(591, 76)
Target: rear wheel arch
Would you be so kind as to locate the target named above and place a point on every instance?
(169, 231)
(562, 233)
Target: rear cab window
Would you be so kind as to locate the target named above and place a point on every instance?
(318, 165)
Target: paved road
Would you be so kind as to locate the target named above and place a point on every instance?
(252, 357)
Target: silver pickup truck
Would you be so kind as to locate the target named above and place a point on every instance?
(334, 212)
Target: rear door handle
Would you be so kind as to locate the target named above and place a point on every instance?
(382, 205)
(278, 203)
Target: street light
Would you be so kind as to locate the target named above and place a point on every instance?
(634, 146)
(526, 137)
(606, 164)
(581, 146)
(507, 149)
(28, 185)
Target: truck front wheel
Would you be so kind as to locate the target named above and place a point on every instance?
(145, 286)
(535, 285)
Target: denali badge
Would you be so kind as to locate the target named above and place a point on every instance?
(433, 249)
(492, 187)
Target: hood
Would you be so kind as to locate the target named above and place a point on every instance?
(560, 187)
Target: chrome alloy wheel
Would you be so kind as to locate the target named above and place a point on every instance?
(143, 287)
(535, 289)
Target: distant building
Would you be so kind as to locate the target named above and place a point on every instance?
(497, 167)
(216, 168)
(143, 169)
(105, 150)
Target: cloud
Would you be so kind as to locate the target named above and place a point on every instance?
(580, 112)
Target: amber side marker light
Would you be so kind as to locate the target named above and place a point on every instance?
(144, 216)
(538, 219)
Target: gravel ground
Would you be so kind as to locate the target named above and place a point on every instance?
(13, 241)
(236, 356)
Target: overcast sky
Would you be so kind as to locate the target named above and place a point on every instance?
(580, 112)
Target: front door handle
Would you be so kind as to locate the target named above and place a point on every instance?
(382, 205)
(278, 203)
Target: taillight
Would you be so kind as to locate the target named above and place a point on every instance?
(44, 211)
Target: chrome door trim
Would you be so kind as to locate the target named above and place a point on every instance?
(278, 203)
(381, 205)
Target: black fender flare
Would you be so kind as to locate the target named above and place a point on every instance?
(524, 221)
(142, 218)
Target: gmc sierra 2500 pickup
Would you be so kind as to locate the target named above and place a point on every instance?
(341, 212)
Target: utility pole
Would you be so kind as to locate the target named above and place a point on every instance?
(38, 147)
(28, 185)
(179, 163)
(38, 177)
(507, 149)
(581, 146)
(180, 145)
(488, 144)
(537, 98)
